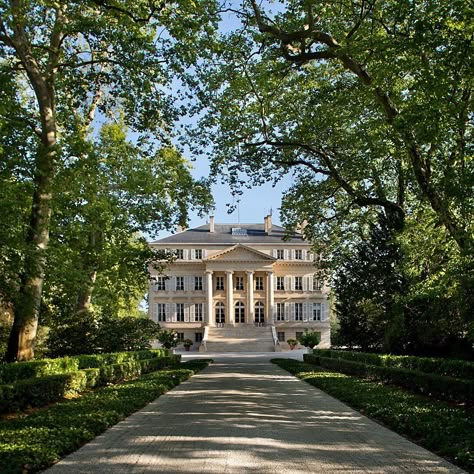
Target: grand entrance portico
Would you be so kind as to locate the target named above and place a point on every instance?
(247, 294)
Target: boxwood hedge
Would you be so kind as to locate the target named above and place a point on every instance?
(12, 372)
(39, 391)
(449, 367)
(433, 385)
(443, 428)
(34, 442)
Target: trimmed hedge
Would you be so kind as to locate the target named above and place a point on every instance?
(10, 373)
(33, 443)
(449, 367)
(40, 391)
(443, 428)
(432, 385)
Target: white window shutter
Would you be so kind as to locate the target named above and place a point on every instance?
(293, 312)
(292, 254)
(173, 313)
(286, 282)
(325, 311)
(155, 312)
(274, 253)
(192, 312)
(192, 255)
(309, 255)
(186, 313)
(305, 312)
(168, 312)
(204, 253)
(303, 254)
(305, 283)
(286, 254)
(287, 309)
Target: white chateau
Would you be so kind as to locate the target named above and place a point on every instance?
(239, 287)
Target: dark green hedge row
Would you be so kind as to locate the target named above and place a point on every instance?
(443, 428)
(432, 385)
(40, 391)
(34, 442)
(452, 368)
(10, 373)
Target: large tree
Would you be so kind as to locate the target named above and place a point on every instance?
(71, 57)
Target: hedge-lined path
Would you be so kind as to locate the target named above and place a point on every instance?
(245, 415)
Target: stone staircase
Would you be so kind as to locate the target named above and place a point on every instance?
(240, 339)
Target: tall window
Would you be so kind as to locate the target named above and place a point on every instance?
(298, 254)
(198, 283)
(219, 283)
(280, 254)
(239, 283)
(198, 336)
(280, 283)
(259, 283)
(239, 312)
(160, 283)
(180, 312)
(198, 312)
(180, 336)
(259, 313)
(280, 311)
(220, 313)
(298, 283)
(317, 311)
(281, 336)
(198, 254)
(179, 283)
(180, 254)
(317, 285)
(298, 311)
(161, 312)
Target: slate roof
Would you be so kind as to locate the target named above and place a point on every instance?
(223, 235)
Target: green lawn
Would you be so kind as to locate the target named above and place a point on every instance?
(29, 443)
(443, 428)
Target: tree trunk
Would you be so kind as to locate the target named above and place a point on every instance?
(21, 342)
(84, 297)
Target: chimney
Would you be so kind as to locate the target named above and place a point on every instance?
(211, 224)
(268, 224)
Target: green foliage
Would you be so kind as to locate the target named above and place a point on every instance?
(14, 371)
(310, 338)
(448, 367)
(168, 339)
(86, 334)
(440, 427)
(432, 385)
(40, 439)
(39, 391)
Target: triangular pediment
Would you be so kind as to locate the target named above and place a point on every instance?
(241, 253)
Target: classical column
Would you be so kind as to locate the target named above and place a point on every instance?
(229, 297)
(270, 298)
(210, 316)
(250, 303)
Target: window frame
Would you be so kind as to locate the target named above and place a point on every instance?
(298, 283)
(198, 283)
(179, 283)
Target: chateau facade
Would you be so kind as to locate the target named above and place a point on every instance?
(239, 287)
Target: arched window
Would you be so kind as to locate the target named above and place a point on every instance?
(220, 313)
(259, 313)
(239, 312)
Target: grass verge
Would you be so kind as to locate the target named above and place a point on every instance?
(440, 427)
(33, 442)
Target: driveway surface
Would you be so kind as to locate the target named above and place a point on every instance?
(245, 415)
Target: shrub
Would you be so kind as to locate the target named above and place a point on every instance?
(40, 439)
(440, 427)
(309, 339)
(433, 385)
(449, 367)
(9, 373)
(40, 391)
(168, 339)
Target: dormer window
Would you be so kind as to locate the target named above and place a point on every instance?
(180, 254)
(198, 254)
(298, 254)
(280, 254)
